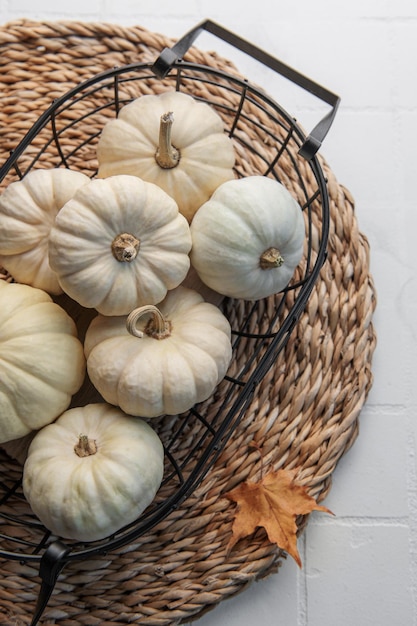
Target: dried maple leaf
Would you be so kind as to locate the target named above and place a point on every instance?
(273, 503)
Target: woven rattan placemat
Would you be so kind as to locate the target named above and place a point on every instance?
(305, 413)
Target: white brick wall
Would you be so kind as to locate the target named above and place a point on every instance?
(360, 567)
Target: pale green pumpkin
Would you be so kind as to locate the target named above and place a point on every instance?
(248, 238)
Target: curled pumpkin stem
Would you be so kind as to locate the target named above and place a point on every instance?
(157, 327)
(166, 155)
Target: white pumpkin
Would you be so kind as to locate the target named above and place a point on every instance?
(160, 360)
(119, 243)
(28, 209)
(248, 238)
(171, 140)
(92, 472)
(42, 361)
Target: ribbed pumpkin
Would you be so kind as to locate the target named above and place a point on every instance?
(92, 472)
(41, 360)
(160, 360)
(248, 238)
(119, 243)
(28, 209)
(171, 140)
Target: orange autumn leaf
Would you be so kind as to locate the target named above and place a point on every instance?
(274, 502)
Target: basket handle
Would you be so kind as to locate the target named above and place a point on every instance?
(52, 562)
(311, 145)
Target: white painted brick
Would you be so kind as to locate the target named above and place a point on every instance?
(358, 574)
(401, 9)
(406, 311)
(413, 463)
(75, 7)
(326, 9)
(407, 147)
(361, 150)
(348, 56)
(405, 60)
(380, 455)
(165, 8)
(390, 383)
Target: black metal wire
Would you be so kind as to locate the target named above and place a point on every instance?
(238, 390)
(103, 94)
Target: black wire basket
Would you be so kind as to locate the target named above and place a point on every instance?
(66, 135)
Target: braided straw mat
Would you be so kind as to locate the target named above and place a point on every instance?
(305, 413)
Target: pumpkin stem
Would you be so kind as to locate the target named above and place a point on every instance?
(125, 247)
(85, 446)
(271, 258)
(166, 155)
(157, 327)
